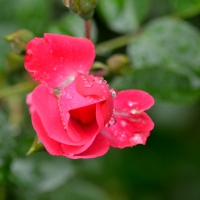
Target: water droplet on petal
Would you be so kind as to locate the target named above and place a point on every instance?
(103, 98)
(131, 103)
(112, 120)
(123, 123)
(133, 111)
(98, 79)
(107, 125)
(29, 51)
(68, 96)
(71, 154)
(54, 68)
(87, 84)
(89, 98)
(113, 93)
(136, 139)
(83, 78)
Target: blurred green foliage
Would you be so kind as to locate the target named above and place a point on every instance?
(163, 47)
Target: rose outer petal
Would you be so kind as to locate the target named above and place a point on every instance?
(46, 105)
(98, 148)
(129, 131)
(133, 101)
(96, 88)
(55, 59)
(53, 147)
(71, 103)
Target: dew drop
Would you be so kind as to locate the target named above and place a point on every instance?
(131, 103)
(87, 84)
(105, 81)
(103, 98)
(29, 51)
(133, 111)
(112, 120)
(123, 123)
(89, 99)
(83, 78)
(51, 51)
(107, 125)
(113, 93)
(136, 139)
(98, 80)
(54, 68)
(68, 96)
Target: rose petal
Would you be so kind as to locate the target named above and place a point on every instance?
(96, 88)
(98, 148)
(129, 131)
(133, 101)
(53, 147)
(90, 85)
(85, 129)
(46, 105)
(75, 107)
(29, 102)
(55, 59)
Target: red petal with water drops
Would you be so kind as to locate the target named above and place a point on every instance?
(55, 59)
(52, 146)
(129, 131)
(46, 105)
(133, 101)
(98, 148)
(96, 88)
(83, 116)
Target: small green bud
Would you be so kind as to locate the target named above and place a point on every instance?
(14, 62)
(19, 39)
(99, 69)
(84, 8)
(117, 63)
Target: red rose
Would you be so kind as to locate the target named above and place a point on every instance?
(72, 112)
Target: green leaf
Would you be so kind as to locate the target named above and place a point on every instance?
(185, 8)
(79, 190)
(123, 16)
(41, 173)
(167, 43)
(163, 83)
(71, 24)
(7, 142)
(28, 15)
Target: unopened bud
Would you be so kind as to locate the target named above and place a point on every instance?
(19, 39)
(117, 62)
(99, 69)
(14, 62)
(84, 8)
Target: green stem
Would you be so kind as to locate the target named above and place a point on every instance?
(110, 45)
(88, 29)
(15, 89)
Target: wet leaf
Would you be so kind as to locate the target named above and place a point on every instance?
(123, 16)
(164, 84)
